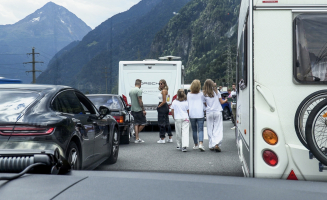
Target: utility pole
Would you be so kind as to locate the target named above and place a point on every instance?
(33, 64)
(229, 64)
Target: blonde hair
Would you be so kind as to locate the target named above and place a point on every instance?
(209, 88)
(163, 81)
(181, 96)
(195, 86)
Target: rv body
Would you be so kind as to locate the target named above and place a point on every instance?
(151, 72)
(270, 87)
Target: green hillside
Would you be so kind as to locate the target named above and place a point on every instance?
(200, 34)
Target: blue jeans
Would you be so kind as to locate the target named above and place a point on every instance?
(197, 125)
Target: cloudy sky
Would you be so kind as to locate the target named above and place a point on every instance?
(92, 12)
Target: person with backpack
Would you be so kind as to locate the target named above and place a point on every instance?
(180, 111)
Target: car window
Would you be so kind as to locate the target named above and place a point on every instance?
(15, 101)
(67, 102)
(112, 102)
(88, 108)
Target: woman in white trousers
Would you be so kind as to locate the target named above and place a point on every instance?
(179, 111)
(213, 101)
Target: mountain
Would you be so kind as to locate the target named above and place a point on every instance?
(48, 29)
(204, 33)
(125, 36)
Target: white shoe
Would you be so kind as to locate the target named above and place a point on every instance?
(170, 140)
(184, 149)
(196, 147)
(178, 148)
(201, 147)
(160, 141)
(233, 128)
(139, 141)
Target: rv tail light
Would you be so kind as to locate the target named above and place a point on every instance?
(119, 119)
(292, 176)
(270, 157)
(25, 130)
(270, 137)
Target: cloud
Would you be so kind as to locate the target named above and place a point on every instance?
(93, 13)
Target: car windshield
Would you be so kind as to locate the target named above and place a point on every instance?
(15, 101)
(111, 102)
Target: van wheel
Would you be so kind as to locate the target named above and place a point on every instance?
(124, 139)
(315, 131)
(226, 113)
(114, 147)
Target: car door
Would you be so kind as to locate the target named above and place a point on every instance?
(67, 103)
(99, 126)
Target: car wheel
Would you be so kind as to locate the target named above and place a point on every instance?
(114, 147)
(73, 156)
(226, 113)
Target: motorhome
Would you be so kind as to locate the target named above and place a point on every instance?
(281, 76)
(151, 72)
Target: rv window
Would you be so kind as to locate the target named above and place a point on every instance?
(242, 60)
(310, 48)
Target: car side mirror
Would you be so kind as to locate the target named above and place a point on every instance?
(104, 111)
(128, 108)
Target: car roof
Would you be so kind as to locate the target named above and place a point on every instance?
(35, 87)
(93, 95)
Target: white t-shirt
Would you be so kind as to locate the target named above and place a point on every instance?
(233, 93)
(180, 109)
(213, 103)
(195, 104)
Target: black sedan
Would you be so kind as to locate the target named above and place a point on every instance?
(119, 110)
(49, 117)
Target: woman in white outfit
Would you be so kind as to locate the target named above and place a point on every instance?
(213, 101)
(179, 111)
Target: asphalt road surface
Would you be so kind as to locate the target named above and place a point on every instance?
(153, 157)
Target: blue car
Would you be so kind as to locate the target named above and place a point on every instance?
(227, 111)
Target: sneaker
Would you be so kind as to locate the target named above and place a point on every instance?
(160, 141)
(178, 148)
(139, 141)
(201, 147)
(211, 149)
(170, 140)
(233, 128)
(184, 149)
(196, 147)
(217, 148)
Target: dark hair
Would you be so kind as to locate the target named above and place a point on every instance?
(181, 96)
(138, 82)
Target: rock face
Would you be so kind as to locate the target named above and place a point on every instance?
(202, 34)
(48, 29)
(125, 36)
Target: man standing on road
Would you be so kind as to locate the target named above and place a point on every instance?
(137, 109)
(233, 94)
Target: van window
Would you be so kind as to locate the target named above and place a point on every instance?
(242, 60)
(310, 48)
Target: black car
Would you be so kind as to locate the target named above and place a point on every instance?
(49, 117)
(119, 110)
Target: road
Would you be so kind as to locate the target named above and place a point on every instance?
(153, 157)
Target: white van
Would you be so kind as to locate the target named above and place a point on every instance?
(281, 74)
(150, 72)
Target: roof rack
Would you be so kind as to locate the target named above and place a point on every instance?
(169, 58)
